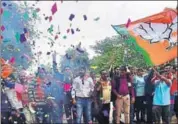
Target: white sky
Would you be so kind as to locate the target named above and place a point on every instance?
(110, 13)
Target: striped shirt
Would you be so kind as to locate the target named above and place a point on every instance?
(33, 93)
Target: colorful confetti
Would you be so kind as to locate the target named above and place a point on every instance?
(54, 8)
(72, 31)
(96, 19)
(64, 37)
(85, 17)
(2, 28)
(22, 38)
(50, 18)
(71, 17)
(128, 23)
(1, 11)
(12, 60)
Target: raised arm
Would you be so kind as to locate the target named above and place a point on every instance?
(149, 77)
(114, 87)
(166, 80)
(54, 63)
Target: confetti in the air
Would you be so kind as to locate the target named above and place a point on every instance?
(128, 23)
(2, 28)
(22, 38)
(71, 17)
(54, 8)
(85, 17)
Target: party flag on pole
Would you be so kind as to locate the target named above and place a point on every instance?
(154, 36)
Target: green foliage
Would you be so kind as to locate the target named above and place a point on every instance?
(111, 52)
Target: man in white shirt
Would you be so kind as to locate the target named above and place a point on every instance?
(82, 89)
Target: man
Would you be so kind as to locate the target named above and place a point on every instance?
(139, 86)
(24, 80)
(54, 94)
(132, 107)
(174, 90)
(15, 102)
(67, 84)
(167, 68)
(121, 90)
(82, 89)
(149, 91)
(37, 96)
(161, 99)
(114, 73)
(66, 79)
(5, 105)
(104, 88)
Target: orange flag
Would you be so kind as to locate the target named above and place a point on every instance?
(154, 36)
(6, 69)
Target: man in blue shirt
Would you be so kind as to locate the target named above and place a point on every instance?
(139, 86)
(161, 99)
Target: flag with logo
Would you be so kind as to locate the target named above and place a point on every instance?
(155, 37)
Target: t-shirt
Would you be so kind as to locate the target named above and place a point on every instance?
(123, 89)
(139, 85)
(106, 92)
(162, 93)
(174, 87)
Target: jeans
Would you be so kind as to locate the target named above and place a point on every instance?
(140, 108)
(132, 113)
(83, 105)
(18, 120)
(68, 112)
(149, 104)
(103, 116)
(176, 106)
(56, 116)
(5, 117)
(172, 113)
(68, 106)
(74, 114)
(41, 112)
(163, 111)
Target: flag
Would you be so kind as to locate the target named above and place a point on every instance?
(6, 69)
(155, 37)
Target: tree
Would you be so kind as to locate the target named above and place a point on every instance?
(18, 19)
(115, 52)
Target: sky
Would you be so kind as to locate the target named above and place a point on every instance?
(109, 12)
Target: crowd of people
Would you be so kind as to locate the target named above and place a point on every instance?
(141, 95)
